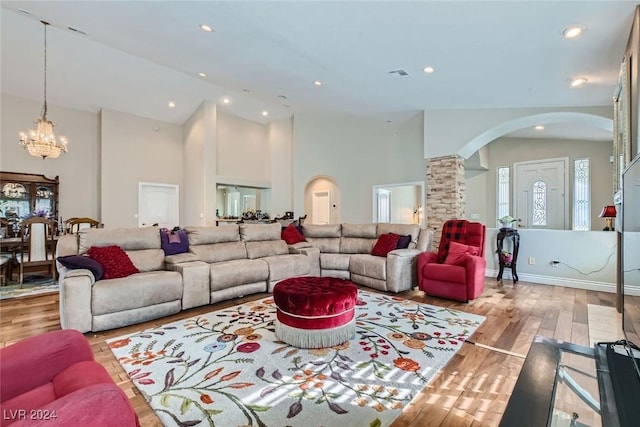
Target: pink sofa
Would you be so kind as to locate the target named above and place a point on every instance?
(463, 281)
(52, 380)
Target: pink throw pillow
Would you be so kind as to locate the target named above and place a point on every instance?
(114, 261)
(291, 235)
(385, 244)
(458, 252)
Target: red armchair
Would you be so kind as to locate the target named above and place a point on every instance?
(52, 380)
(461, 276)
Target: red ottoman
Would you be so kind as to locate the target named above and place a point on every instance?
(315, 312)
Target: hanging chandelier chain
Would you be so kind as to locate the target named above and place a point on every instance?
(44, 108)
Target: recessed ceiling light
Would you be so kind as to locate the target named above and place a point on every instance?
(226, 100)
(539, 127)
(201, 74)
(579, 81)
(265, 113)
(172, 104)
(205, 27)
(572, 32)
(317, 83)
(428, 70)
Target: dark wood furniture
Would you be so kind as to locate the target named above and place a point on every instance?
(562, 383)
(37, 251)
(508, 233)
(24, 194)
(74, 225)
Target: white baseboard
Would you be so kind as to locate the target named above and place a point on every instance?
(589, 285)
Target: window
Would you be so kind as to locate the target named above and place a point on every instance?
(539, 204)
(503, 191)
(581, 195)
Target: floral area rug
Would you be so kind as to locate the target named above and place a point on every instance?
(33, 285)
(227, 368)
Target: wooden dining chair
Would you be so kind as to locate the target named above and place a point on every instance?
(74, 225)
(6, 256)
(37, 252)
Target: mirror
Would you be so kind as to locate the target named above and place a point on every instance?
(398, 203)
(621, 140)
(236, 201)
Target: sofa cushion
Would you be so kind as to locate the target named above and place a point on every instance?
(114, 261)
(129, 239)
(74, 262)
(356, 245)
(220, 251)
(266, 248)
(285, 266)
(334, 261)
(238, 272)
(458, 253)
(260, 232)
(80, 375)
(445, 273)
(385, 244)
(325, 244)
(148, 259)
(135, 291)
(204, 235)
(368, 266)
(324, 230)
(367, 231)
(291, 235)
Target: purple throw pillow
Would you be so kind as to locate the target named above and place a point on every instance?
(75, 262)
(170, 243)
(403, 242)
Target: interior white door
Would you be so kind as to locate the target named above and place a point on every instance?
(540, 193)
(321, 207)
(158, 204)
(384, 205)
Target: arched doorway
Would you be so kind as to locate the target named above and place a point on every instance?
(322, 201)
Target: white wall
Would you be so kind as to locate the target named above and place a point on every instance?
(135, 149)
(243, 151)
(78, 170)
(357, 153)
(281, 143)
(587, 258)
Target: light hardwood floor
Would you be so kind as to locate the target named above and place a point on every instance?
(472, 390)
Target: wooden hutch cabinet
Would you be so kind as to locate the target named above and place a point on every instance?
(26, 194)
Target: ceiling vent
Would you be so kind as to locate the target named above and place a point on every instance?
(399, 73)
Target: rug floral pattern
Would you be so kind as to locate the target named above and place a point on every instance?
(227, 368)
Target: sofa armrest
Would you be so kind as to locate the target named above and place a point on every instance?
(75, 300)
(475, 267)
(195, 282)
(36, 360)
(312, 252)
(401, 269)
(103, 405)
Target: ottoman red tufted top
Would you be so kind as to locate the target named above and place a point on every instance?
(315, 296)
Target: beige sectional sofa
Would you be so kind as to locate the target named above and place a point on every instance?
(223, 263)
(345, 252)
(90, 305)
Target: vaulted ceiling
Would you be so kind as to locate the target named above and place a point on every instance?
(136, 56)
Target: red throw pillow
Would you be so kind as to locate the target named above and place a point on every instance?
(291, 235)
(458, 252)
(385, 244)
(114, 261)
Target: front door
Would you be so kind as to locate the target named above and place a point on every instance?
(540, 188)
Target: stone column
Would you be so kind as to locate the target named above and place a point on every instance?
(445, 192)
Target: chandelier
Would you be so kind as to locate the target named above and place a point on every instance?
(42, 142)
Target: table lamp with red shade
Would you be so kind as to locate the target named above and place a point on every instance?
(608, 213)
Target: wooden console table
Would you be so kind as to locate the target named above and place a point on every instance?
(506, 233)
